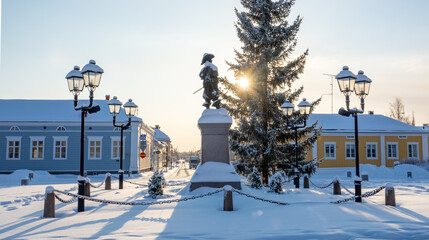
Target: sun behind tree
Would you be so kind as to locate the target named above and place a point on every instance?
(260, 138)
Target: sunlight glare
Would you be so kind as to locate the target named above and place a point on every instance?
(243, 82)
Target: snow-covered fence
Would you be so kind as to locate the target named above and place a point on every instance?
(321, 187)
(365, 195)
(138, 184)
(259, 198)
(49, 210)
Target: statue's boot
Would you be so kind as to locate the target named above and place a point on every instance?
(206, 104)
(216, 103)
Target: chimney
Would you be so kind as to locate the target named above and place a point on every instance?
(371, 112)
(107, 97)
(157, 127)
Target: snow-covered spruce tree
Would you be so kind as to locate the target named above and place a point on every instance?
(268, 40)
(276, 182)
(255, 179)
(156, 184)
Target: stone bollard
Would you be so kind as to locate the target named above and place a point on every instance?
(31, 176)
(227, 199)
(349, 174)
(306, 182)
(87, 187)
(337, 186)
(49, 211)
(409, 174)
(25, 181)
(108, 182)
(390, 195)
(365, 177)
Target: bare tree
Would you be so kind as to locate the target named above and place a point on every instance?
(397, 111)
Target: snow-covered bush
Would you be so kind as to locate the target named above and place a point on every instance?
(156, 184)
(276, 182)
(241, 168)
(255, 179)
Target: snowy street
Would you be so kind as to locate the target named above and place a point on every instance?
(309, 215)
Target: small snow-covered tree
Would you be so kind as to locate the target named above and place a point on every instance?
(255, 179)
(276, 182)
(156, 184)
(260, 137)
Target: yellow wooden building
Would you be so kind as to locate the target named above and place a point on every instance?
(382, 141)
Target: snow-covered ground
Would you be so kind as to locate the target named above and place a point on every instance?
(309, 215)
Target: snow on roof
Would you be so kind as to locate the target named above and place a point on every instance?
(367, 123)
(160, 135)
(29, 110)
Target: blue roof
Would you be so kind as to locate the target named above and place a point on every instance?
(367, 123)
(19, 110)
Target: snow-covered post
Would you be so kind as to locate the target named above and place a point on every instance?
(49, 210)
(306, 181)
(30, 176)
(390, 195)
(24, 181)
(227, 199)
(87, 188)
(337, 186)
(108, 182)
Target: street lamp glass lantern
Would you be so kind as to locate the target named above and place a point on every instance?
(362, 85)
(92, 75)
(75, 81)
(304, 107)
(346, 81)
(287, 108)
(114, 106)
(130, 108)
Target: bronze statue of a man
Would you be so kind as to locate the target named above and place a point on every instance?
(209, 75)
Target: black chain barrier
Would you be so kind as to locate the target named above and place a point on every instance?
(137, 203)
(97, 186)
(65, 201)
(352, 193)
(258, 198)
(365, 195)
(322, 186)
(138, 184)
(177, 184)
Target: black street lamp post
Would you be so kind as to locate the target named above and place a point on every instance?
(288, 109)
(130, 110)
(89, 77)
(360, 84)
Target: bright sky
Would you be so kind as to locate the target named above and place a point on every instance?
(151, 52)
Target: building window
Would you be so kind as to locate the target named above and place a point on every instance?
(402, 137)
(13, 151)
(116, 147)
(330, 150)
(60, 148)
(371, 150)
(14, 128)
(37, 147)
(350, 137)
(413, 150)
(392, 150)
(94, 148)
(350, 150)
(61, 129)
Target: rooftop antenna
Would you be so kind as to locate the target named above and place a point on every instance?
(332, 91)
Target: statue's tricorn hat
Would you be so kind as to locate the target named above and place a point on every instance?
(207, 57)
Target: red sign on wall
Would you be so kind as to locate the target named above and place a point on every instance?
(142, 155)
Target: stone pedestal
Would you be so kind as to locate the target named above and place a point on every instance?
(215, 170)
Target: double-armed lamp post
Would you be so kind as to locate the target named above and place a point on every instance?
(360, 84)
(89, 77)
(130, 110)
(289, 110)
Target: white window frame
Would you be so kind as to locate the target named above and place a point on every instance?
(376, 150)
(60, 138)
(335, 150)
(37, 139)
(397, 150)
(408, 152)
(14, 139)
(354, 148)
(95, 139)
(116, 138)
